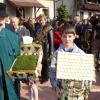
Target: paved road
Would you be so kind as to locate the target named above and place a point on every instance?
(95, 91)
(46, 92)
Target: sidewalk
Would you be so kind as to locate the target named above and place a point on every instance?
(45, 92)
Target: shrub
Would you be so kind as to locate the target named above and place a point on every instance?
(63, 12)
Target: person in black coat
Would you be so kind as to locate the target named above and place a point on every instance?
(45, 35)
(95, 21)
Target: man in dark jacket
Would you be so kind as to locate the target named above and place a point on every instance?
(95, 21)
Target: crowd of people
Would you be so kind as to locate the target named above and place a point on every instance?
(53, 35)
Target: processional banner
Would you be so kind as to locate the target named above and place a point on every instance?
(75, 66)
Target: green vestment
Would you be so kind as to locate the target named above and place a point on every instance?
(9, 50)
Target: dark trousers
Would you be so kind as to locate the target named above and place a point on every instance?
(45, 71)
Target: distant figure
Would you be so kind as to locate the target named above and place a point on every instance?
(57, 35)
(77, 26)
(95, 21)
(30, 26)
(41, 21)
(19, 29)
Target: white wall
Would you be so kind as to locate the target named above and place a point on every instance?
(1, 1)
(10, 10)
(29, 12)
(49, 5)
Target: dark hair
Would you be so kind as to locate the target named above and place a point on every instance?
(42, 16)
(47, 28)
(95, 20)
(3, 10)
(60, 22)
(68, 29)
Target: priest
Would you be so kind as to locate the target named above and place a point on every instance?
(9, 50)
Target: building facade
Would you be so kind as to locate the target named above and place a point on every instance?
(87, 8)
(49, 8)
(29, 8)
(83, 8)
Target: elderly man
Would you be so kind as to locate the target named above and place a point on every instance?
(9, 50)
(19, 29)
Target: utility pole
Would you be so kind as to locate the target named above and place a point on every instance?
(55, 5)
(62, 2)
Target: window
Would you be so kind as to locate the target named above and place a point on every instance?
(20, 12)
(46, 12)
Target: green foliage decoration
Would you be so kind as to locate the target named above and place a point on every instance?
(63, 12)
(25, 62)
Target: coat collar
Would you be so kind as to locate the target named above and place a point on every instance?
(73, 49)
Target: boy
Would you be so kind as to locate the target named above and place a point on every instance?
(68, 45)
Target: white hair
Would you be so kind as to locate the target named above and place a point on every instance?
(15, 18)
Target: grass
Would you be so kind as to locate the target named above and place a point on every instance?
(25, 62)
